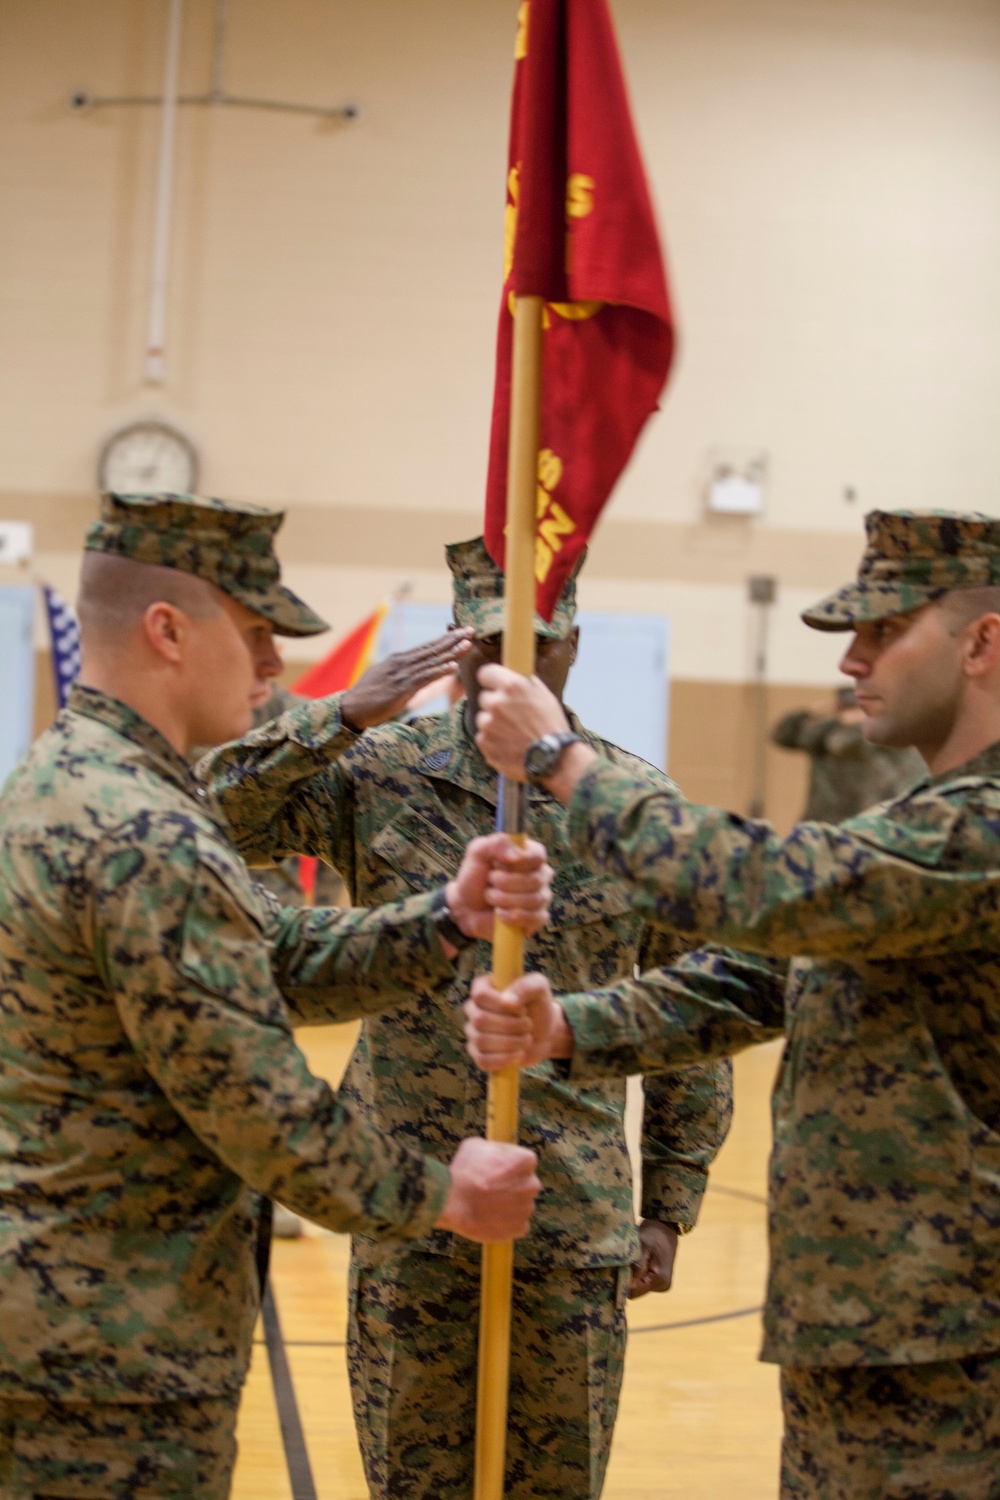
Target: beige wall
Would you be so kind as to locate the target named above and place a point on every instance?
(828, 179)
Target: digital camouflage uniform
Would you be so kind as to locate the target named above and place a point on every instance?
(392, 810)
(879, 961)
(282, 879)
(151, 1091)
(847, 773)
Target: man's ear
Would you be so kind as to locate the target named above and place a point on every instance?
(574, 648)
(983, 650)
(163, 629)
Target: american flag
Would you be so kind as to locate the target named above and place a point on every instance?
(65, 636)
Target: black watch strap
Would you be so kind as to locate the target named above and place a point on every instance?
(445, 923)
(542, 757)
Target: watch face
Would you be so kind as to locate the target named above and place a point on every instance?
(542, 756)
(148, 456)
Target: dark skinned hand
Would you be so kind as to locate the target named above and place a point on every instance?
(387, 687)
(654, 1270)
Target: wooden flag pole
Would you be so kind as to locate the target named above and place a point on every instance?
(508, 942)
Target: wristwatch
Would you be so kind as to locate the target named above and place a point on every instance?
(444, 923)
(543, 756)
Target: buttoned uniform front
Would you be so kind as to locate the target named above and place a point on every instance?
(150, 1086)
(878, 948)
(392, 810)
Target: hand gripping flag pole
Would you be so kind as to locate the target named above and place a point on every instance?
(508, 942)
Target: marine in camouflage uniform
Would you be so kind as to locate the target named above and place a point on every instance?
(150, 1086)
(878, 948)
(391, 809)
(847, 773)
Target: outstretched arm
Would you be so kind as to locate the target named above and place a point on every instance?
(335, 965)
(707, 1005)
(184, 955)
(916, 882)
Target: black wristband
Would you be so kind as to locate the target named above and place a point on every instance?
(445, 923)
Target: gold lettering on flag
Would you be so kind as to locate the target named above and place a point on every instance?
(573, 312)
(553, 522)
(579, 196)
(510, 222)
(579, 205)
(521, 45)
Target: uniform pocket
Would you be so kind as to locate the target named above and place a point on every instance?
(418, 850)
(223, 946)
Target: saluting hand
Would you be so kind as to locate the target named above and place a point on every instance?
(498, 878)
(387, 687)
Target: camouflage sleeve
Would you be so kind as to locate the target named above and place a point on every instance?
(186, 957)
(281, 790)
(334, 965)
(829, 736)
(790, 730)
(685, 1119)
(708, 1005)
(845, 741)
(916, 880)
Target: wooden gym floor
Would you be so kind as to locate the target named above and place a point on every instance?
(699, 1416)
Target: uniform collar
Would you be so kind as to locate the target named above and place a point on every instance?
(117, 716)
(449, 753)
(985, 764)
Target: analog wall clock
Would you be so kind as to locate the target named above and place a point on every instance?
(148, 456)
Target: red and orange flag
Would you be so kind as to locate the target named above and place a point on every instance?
(345, 662)
(580, 233)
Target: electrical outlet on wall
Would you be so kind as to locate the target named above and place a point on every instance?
(736, 481)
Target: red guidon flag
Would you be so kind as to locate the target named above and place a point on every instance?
(580, 233)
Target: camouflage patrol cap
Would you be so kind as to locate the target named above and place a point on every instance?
(228, 544)
(911, 558)
(478, 593)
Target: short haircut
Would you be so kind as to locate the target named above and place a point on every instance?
(966, 605)
(115, 593)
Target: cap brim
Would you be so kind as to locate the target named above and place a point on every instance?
(487, 619)
(857, 603)
(288, 614)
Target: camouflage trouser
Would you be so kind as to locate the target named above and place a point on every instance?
(893, 1432)
(184, 1450)
(412, 1346)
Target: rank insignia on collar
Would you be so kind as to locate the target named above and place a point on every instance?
(437, 760)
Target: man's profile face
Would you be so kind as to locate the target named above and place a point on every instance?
(908, 676)
(230, 663)
(553, 660)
